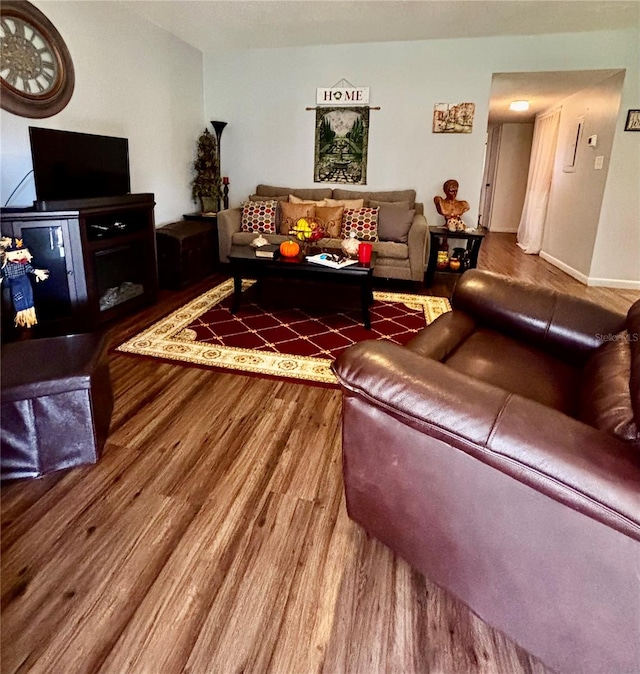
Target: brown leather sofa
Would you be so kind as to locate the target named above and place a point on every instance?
(499, 454)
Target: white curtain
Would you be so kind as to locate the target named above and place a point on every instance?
(534, 211)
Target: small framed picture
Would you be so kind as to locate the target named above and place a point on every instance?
(453, 117)
(633, 121)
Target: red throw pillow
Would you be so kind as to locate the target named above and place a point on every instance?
(362, 221)
(259, 217)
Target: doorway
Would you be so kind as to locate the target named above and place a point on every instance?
(509, 136)
(489, 176)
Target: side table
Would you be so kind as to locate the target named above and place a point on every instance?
(473, 240)
(187, 251)
(202, 217)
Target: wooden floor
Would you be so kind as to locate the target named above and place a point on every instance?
(212, 537)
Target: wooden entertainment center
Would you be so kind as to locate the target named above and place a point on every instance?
(101, 257)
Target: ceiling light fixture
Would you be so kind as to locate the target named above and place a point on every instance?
(519, 106)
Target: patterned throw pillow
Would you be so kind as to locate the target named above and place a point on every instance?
(330, 218)
(291, 213)
(362, 221)
(259, 217)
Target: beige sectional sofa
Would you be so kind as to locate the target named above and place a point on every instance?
(396, 259)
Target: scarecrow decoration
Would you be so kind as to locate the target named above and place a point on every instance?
(15, 264)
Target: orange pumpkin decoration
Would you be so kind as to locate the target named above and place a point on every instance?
(289, 249)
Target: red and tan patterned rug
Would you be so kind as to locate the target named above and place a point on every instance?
(293, 343)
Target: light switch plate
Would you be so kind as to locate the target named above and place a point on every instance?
(599, 163)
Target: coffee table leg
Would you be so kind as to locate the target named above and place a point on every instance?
(366, 300)
(237, 291)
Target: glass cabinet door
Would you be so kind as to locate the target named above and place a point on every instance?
(49, 246)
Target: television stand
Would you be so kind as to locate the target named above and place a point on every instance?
(93, 202)
(101, 257)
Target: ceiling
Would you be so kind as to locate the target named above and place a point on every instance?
(224, 24)
(541, 89)
(211, 25)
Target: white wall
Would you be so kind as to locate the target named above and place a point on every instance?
(511, 177)
(262, 94)
(573, 213)
(616, 254)
(132, 80)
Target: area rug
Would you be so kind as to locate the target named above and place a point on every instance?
(291, 343)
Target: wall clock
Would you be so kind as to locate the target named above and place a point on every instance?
(36, 71)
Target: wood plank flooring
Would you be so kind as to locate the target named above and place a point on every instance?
(212, 536)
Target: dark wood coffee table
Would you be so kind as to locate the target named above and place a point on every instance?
(245, 264)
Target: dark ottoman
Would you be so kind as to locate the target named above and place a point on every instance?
(56, 404)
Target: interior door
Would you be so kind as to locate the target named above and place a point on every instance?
(490, 168)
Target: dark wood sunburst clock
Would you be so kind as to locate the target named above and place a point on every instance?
(36, 71)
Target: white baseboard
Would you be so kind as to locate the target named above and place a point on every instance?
(565, 267)
(503, 230)
(588, 281)
(614, 283)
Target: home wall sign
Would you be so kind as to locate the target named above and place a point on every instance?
(342, 134)
(342, 96)
(453, 117)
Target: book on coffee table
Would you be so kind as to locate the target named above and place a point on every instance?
(331, 260)
(267, 251)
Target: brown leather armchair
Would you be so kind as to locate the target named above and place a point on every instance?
(499, 454)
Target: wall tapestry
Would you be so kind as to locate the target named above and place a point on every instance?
(342, 138)
(453, 117)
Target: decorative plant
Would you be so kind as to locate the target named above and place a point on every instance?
(206, 184)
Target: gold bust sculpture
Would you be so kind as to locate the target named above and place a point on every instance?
(450, 208)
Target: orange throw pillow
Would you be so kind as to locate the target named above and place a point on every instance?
(291, 213)
(296, 200)
(330, 218)
(347, 203)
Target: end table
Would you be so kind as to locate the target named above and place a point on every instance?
(473, 241)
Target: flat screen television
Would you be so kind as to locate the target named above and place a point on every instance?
(71, 166)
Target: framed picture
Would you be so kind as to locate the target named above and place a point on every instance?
(633, 121)
(453, 117)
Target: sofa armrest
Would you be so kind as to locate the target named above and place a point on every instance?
(568, 327)
(588, 470)
(229, 222)
(443, 336)
(418, 242)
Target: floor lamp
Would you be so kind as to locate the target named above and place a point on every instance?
(218, 127)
